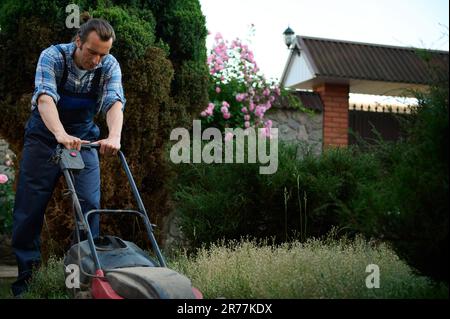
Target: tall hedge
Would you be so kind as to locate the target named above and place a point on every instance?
(161, 49)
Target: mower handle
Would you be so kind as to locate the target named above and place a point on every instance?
(90, 145)
(137, 197)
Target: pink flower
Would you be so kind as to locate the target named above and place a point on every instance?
(224, 109)
(260, 110)
(218, 50)
(240, 97)
(218, 36)
(250, 57)
(234, 60)
(3, 178)
(252, 106)
(265, 132)
(209, 110)
(228, 136)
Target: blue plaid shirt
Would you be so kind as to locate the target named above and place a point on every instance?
(50, 69)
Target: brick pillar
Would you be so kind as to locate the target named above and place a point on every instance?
(335, 113)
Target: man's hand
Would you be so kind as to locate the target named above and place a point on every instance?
(109, 146)
(49, 113)
(70, 142)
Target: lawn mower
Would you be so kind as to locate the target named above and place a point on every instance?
(109, 267)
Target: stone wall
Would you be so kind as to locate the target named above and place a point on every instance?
(298, 127)
(174, 238)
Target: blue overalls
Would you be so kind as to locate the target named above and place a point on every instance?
(38, 176)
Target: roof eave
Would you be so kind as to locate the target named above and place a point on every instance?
(358, 86)
(286, 68)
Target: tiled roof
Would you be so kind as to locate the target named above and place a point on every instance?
(344, 59)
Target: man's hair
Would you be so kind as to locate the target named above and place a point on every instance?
(104, 30)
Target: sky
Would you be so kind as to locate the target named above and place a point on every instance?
(410, 23)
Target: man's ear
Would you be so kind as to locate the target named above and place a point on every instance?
(78, 42)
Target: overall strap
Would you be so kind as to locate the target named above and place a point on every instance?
(96, 81)
(64, 76)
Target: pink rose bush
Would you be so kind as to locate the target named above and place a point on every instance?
(239, 94)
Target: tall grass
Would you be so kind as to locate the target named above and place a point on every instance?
(248, 269)
(316, 269)
(48, 282)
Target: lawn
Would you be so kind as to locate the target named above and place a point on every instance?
(332, 269)
(5, 287)
(317, 269)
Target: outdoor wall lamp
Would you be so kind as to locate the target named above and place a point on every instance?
(289, 39)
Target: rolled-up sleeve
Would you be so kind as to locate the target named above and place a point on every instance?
(45, 79)
(112, 89)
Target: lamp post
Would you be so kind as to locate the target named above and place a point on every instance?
(289, 37)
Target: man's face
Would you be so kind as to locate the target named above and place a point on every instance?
(92, 51)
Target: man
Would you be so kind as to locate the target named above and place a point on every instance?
(73, 83)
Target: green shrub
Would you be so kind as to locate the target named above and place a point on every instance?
(134, 29)
(415, 186)
(301, 199)
(162, 91)
(181, 24)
